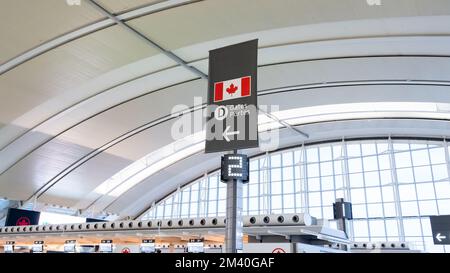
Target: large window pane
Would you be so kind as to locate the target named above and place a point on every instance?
(420, 158)
(353, 150)
(444, 206)
(412, 227)
(313, 184)
(371, 179)
(384, 162)
(405, 175)
(410, 208)
(328, 198)
(392, 228)
(275, 174)
(422, 174)
(361, 228)
(314, 199)
(425, 191)
(373, 195)
(407, 192)
(428, 208)
(288, 187)
(390, 210)
(377, 228)
(403, 160)
(354, 165)
(356, 180)
(288, 201)
(358, 196)
(325, 153)
(313, 170)
(312, 155)
(275, 161)
(276, 187)
(327, 183)
(440, 172)
(288, 159)
(442, 189)
(386, 177)
(288, 173)
(437, 155)
(326, 168)
(368, 149)
(370, 163)
(276, 202)
(374, 210)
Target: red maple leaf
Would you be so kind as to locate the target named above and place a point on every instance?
(232, 89)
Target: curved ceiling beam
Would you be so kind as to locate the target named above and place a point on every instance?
(426, 41)
(148, 41)
(89, 29)
(169, 117)
(22, 148)
(57, 116)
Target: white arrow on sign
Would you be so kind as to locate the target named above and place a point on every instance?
(439, 237)
(226, 133)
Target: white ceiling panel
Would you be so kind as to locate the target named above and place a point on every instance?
(30, 174)
(119, 6)
(24, 24)
(100, 168)
(54, 73)
(211, 20)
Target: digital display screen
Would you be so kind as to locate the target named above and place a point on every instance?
(148, 248)
(8, 248)
(195, 246)
(106, 248)
(37, 248)
(234, 166)
(69, 248)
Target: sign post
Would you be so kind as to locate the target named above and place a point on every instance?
(232, 124)
(440, 226)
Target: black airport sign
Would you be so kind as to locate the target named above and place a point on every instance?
(232, 118)
(440, 226)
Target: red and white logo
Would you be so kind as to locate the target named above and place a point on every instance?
(278, 250)
(232, 89)
(23, 221)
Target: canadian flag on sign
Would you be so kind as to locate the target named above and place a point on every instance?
(232, 89)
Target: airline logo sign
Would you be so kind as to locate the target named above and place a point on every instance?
(232, 118)
(232, 89)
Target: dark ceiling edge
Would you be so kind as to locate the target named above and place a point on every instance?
(295, 146)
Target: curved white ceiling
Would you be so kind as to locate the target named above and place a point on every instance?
(74, 115)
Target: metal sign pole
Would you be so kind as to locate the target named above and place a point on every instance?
(234, 224)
